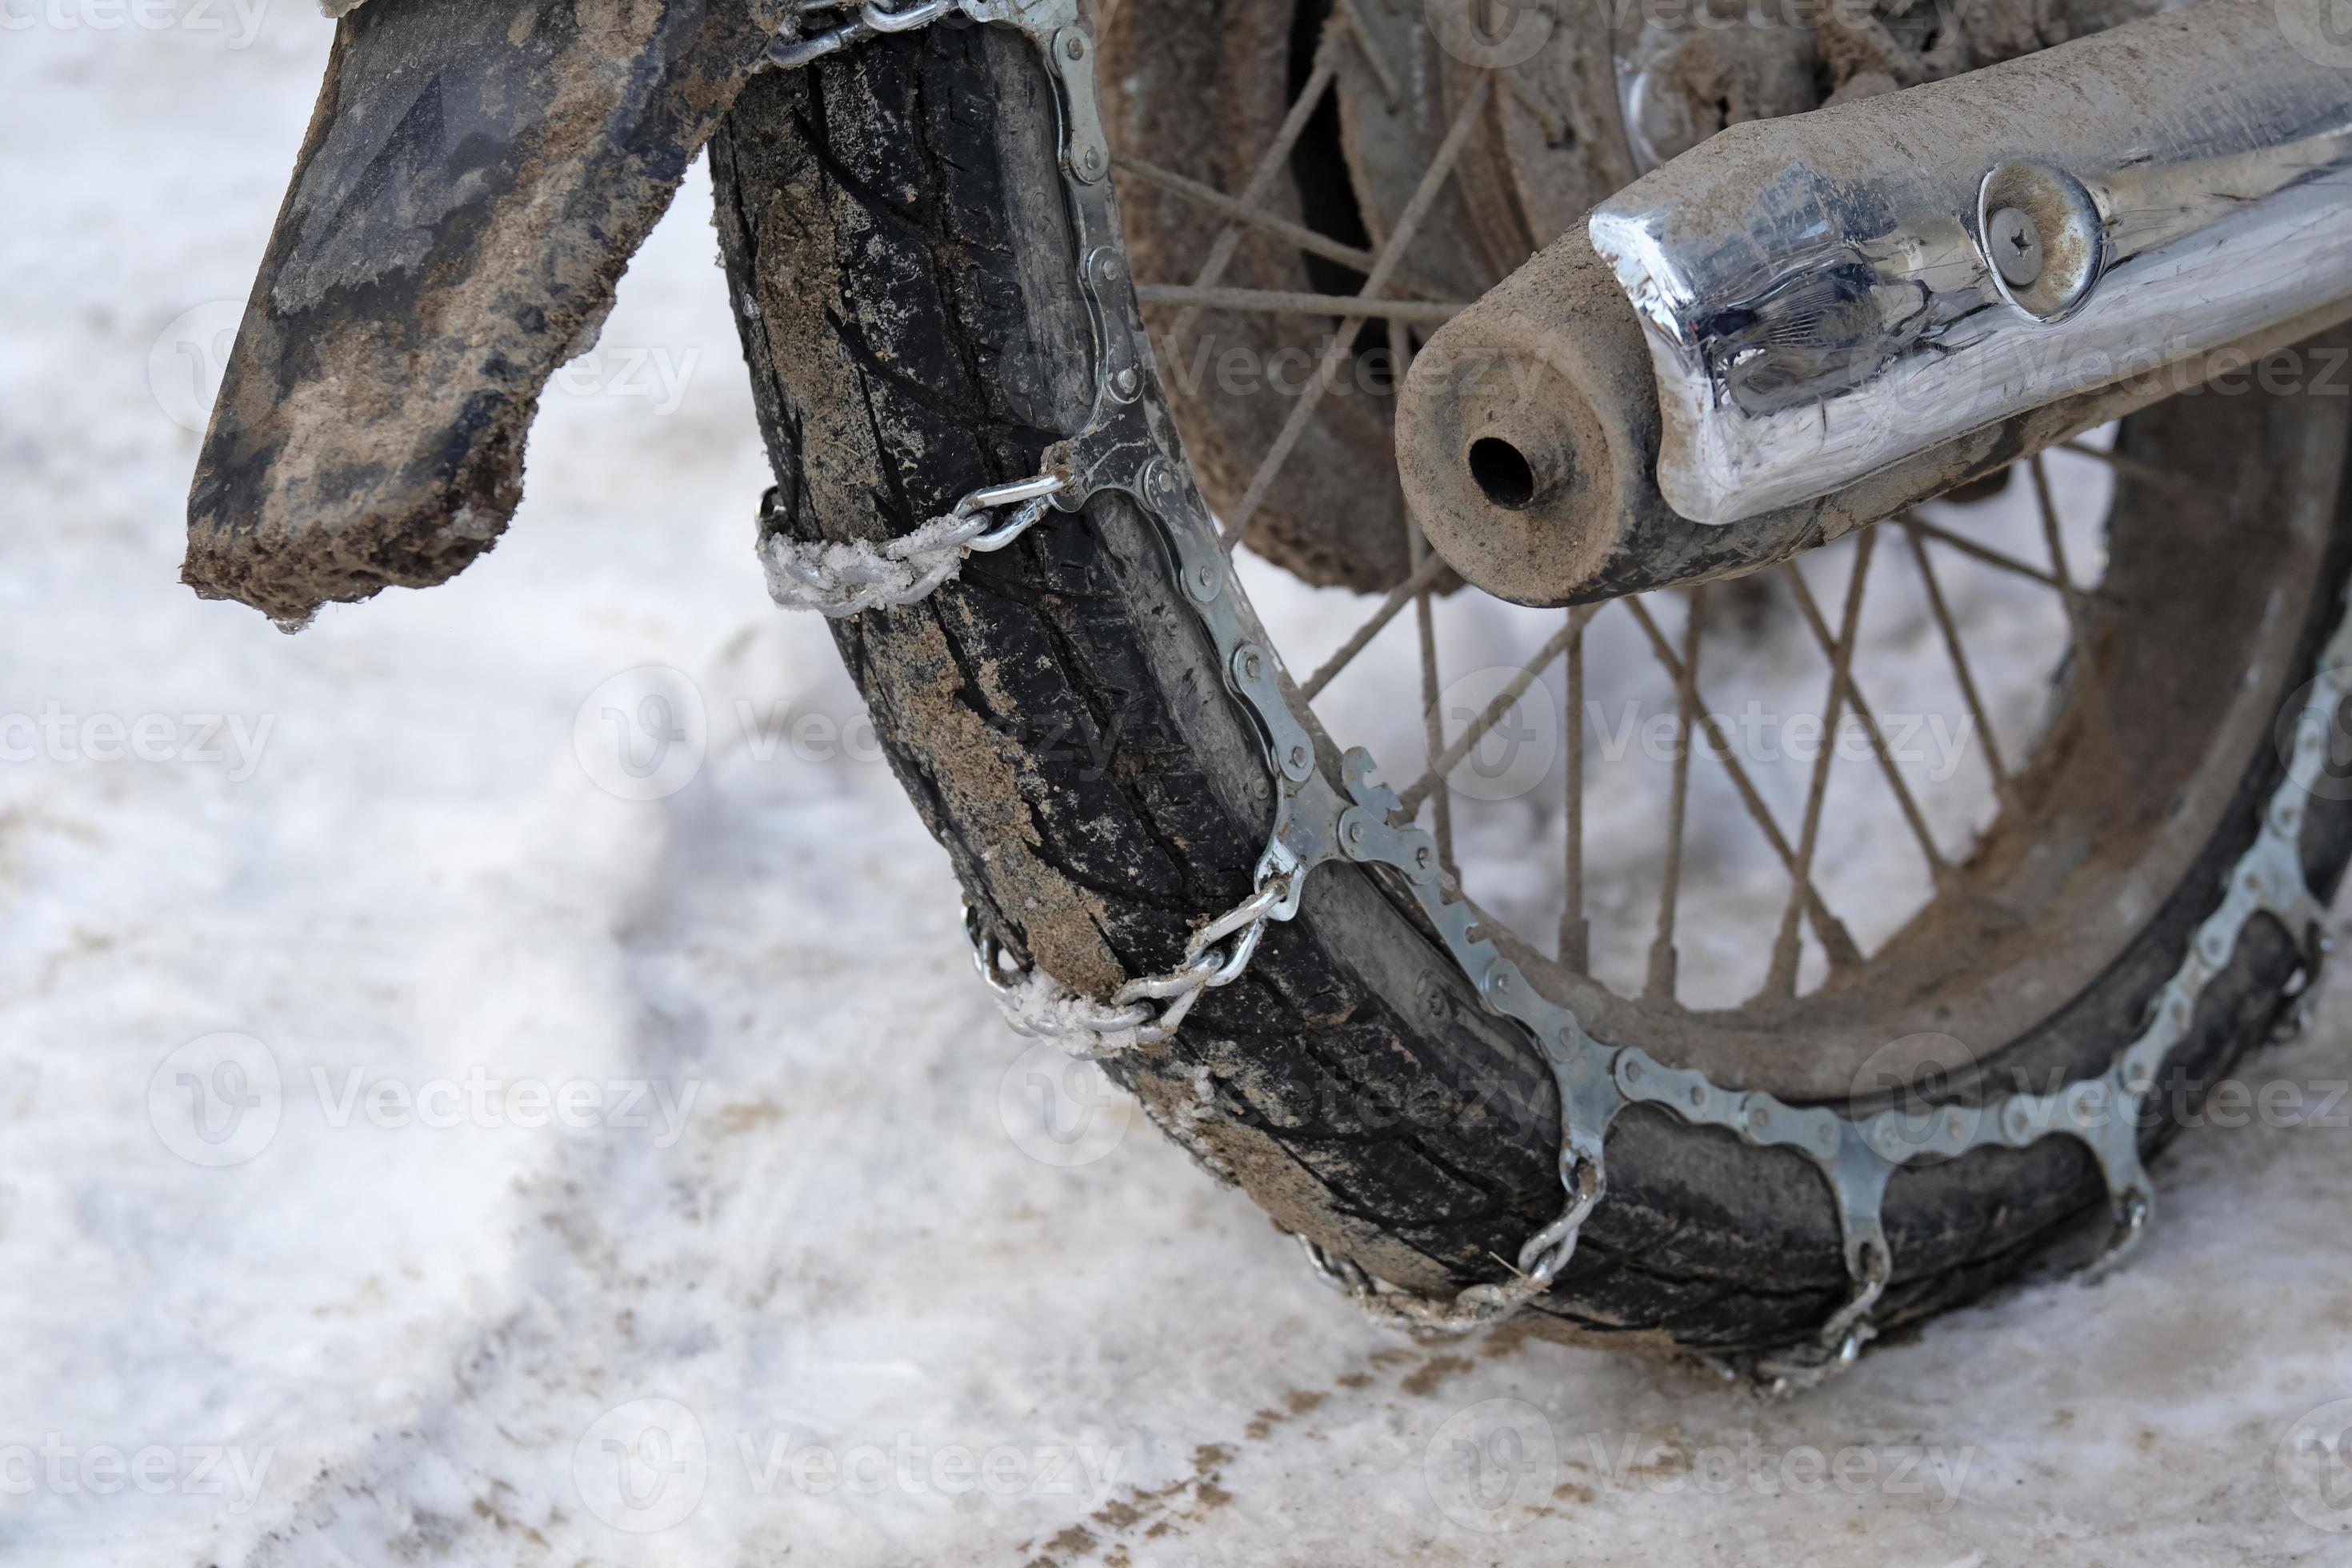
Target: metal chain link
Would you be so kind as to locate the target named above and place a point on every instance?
(840, 580)
(1146, 1012)
(871, 20)
(1834, 1350)
(1480, 1306)
(2300, 1003)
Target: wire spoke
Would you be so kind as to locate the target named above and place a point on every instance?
(1984, 553)
(1259, 218)
(2078, 612)
(2003, 786)
(2130, 468)
(1575, 931)
(1424, 577)
(1342, 345)
(1495, 713)
(1278, 302)
(1780, 980)
(1663, 961)
(1432, 716)
(1886, 765)
(1556, 129)
(1834, 938)
(1270, 168)
(1391, 87)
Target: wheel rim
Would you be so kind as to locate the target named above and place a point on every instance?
(2029, 851)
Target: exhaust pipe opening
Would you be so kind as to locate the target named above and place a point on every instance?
(1503, 472)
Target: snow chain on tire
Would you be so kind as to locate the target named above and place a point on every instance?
(1129, 447)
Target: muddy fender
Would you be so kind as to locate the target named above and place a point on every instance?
(474, 182)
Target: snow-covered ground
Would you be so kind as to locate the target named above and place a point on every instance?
(431, 1129)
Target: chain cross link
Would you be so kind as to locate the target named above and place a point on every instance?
(1480, 1306)
(841, 580)
(1146, 1012)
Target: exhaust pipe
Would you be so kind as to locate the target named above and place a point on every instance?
(1806, 324)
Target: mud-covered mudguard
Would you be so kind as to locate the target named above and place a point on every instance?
(474, 182)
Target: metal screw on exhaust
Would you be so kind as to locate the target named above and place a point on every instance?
(2016, 246)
